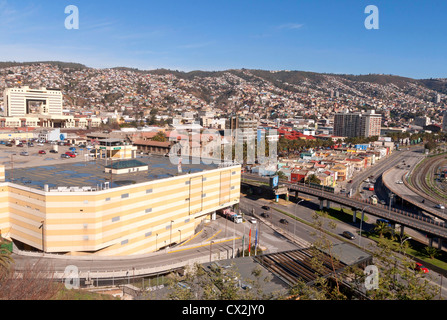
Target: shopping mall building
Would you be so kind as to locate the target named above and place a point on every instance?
(87, 208)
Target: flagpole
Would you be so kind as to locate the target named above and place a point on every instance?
(249, 242)
(243, 243)
(234, 237)
(256, 241)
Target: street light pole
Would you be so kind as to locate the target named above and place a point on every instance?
(402, 244)
(391, 195)
(361, 222)
(43, 242)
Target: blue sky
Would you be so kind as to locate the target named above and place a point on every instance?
(309, 35)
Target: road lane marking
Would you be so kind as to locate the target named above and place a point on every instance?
(209, 239)
(191, 238)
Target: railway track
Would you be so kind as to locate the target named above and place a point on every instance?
(423, 176)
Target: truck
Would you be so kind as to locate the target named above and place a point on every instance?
(233, 216)
(371, 187)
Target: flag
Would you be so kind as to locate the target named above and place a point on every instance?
(256, 241)
(249, 242)
(256, 237)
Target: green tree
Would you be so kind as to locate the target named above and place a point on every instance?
(381, 228)
(431, 252)
(160, 136)
(313, 179)
(397, 279)
(430, 145)
(281, 175)
(218, 283)
(5, 257)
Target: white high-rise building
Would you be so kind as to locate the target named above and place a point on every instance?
(26, 107)
(19, 102)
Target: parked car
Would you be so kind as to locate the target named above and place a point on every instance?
(20, 145)
(42, 152)
(70, 154)
(420, 268)
(9, 145)
(24, 153)
(348, 235)
(53, 151)
(439, 206)
(265, 215)
(385, 221)
(64, 156)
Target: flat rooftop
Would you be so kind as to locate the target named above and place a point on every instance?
(91, 173)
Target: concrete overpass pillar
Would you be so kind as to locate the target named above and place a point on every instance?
(354, 215)
(402, 230)
(440, 243)
(296, 194)
(328, 204)
(430, 242)
(321, 203)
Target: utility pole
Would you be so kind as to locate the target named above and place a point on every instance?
(43, 236)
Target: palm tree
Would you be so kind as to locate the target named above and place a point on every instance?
(431, 252)
(5, 258)
(381, 228)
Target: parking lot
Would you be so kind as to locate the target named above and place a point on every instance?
(45, 168)
(38, 154)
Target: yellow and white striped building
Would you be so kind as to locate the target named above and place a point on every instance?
(130, 220)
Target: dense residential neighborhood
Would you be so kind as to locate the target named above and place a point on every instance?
(199, 150)
(317, 118)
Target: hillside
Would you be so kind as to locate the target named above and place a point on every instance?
(234, 88)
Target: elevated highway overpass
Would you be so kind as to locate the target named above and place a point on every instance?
(408, 193)
(429, 226)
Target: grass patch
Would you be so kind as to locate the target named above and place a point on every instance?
(415, 249)
(342, 214)
(78, 294)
